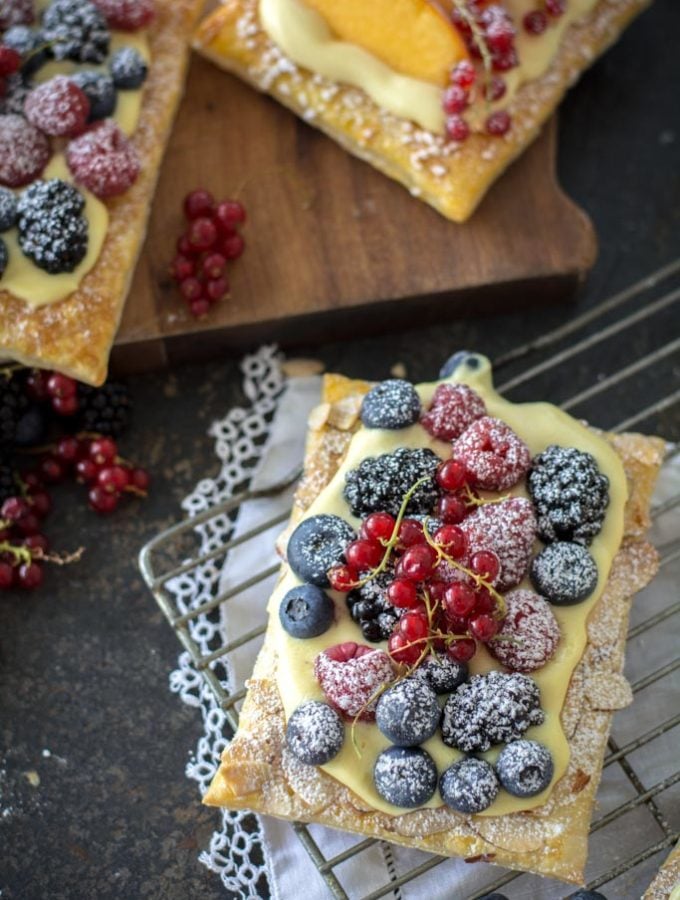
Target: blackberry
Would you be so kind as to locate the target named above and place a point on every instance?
(16, 91)
(32, 427)
(76, 30)
(105, 410)
(8, 485)
(570, 494)
(380, 483)
(15, 12)
(52, 229)
(30, 44)
(13, 402)
(8, 209)
(4, 257)
(490, 709)
(99, 90)
(371, 610)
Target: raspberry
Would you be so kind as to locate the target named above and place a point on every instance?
(24, 151)
(103, 160)
(58, 107)
(493, 454)
(15, 12)
(508, 529)
(350, 675)
(454, 407)
(528, 637)
(126, 15)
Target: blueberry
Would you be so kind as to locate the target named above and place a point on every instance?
(8, 209)
(316, 545)
(408, 713)
(306, 611)
(128, 69)
(564, 573)
(391, 404)
(99, 90)
(405, 776)
(315, 733)
(442, 674)
(461, 358)
(371, 630)
(524, 768)
(469, 785)
(587, 895)
(4, 257)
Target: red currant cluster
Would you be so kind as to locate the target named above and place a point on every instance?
(478, 21)
(60, 391)
(93, 461)
(445, 593)
(23, 546)
(537, 20)
(203, 251)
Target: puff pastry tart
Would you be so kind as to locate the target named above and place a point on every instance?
(445, 642)
(89, 91)
(440, 95)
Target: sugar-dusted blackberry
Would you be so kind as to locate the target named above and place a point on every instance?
(99, 89)
(77, 30)
(570, 494)
(8, 484)
(8, 209)
(30, 44)
(16, 12)
(106, 410)
(13, 402)
(52, 230)
(380, 483)
(491, 709)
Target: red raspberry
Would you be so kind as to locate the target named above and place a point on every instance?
(103, 160)
(350, 675)
(508, 529)
(126, 15)
(454, 407)
(532, 631)
(16, 12)
(58, 107)
(493, 454)
(24, 151)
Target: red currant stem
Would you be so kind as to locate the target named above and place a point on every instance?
(138, 492)
(23, 490)
(471, 500)
(21, 554)
(480, 40)
(479, 580)
(10, 369)
(59, 559)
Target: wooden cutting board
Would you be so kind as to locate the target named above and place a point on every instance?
(334, 248)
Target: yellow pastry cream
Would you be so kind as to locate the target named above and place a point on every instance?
(538, 425)
(305, 37)
(22, 277)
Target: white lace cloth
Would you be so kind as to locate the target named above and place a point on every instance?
(255, 856)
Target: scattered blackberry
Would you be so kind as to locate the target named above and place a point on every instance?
(15, 12)
(8, 485)
(105, 410)
(380, 483)
(13, 402)
(4, 257)
(371, 610)
(491, 709)
(30, 44)
(570, 494)
(16, 91)
(128, 69)
(76, 30)
(99, 90)
(8, 209)
(52, 230)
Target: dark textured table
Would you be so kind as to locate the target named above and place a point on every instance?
(84, 701)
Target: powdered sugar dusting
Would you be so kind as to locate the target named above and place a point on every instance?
(508, 529)
(529, 634)
(353, 686)
(315, 733)
(493, 454)
(24, 151)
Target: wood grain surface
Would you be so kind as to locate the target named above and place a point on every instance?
(332, 246)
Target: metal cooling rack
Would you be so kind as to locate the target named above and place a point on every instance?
(644, 315)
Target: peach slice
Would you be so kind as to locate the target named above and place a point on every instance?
(414, 37)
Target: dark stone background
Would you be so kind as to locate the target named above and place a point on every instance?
(84, 662)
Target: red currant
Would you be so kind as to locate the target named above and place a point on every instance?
(342, 578)
(214, 265)
(457, 128)
(484, 627)
(102, 501)
(113, 479)
(452, 540)
(37, 542)
(435, 590)
(418, 562)
(498, 123)
(455, 99)
(451, 475)
(6, 576)
(459, 600)
(183, 246)
(86, 471)
(191, 289)
(362, 555)
(10, 60)
(486, 564)
(230, 213)
(52, 469)
(30, 576)
(182, 267)
(65, 406)
(414, 626)
(378, 526)
(13, 509)
(140, 479)
(495, 89)
(411, 533)
(68, 450)
(198, 203)
(397, 647)
(463, 74)
(403, 594)
(36, 385)
(59, 385)
(462, 650)
(233, 246)
(41, 503)
(535, 21)
(28, 524)
(451, 509)
(202, 233)
(199, 308)
(103, 450)
(485, 601)
(555, 8)
(216, 288)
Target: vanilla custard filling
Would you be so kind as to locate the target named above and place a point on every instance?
(538, 424)
(304, 36)
(22, 277)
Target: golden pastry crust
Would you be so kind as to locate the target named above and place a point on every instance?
(667, 879)
(258, 773)
(451, 178)
(75, 335)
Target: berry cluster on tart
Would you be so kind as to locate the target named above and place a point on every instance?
(445, 642)
(88, 90)
(440, 95)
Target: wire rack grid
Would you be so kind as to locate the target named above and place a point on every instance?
(642, 316)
